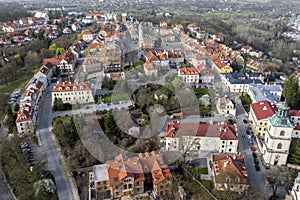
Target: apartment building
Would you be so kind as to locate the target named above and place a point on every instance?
(72, 92)
(189, 75)
(229, 172)
(226, 105)
(182, 137)
(125, 175)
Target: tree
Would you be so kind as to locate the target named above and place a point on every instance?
(177, 83)
(32, 59)
(53, 48)
(10, 120)
(58, 104)
(291, 92)
(294, 156)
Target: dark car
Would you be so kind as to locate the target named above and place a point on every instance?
(254, 155)
(245, 121)
(256, 161)
(257, 167)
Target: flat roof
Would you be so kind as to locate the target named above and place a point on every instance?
(100, 173)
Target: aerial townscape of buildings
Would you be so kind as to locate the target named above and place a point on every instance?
(237, 146)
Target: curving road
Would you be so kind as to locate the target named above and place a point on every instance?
(53, 157)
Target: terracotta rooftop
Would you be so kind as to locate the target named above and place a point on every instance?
(295, 113)
(232, 166)
(189, 71)
(136, 167)
(223, 131)
(25, 113)
(70, 86)
(263, 109)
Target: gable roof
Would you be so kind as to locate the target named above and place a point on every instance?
(263, 109)
(70, 86)
(223, 131)
(229, 166)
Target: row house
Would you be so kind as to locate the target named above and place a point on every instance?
(67, 62)
(87, 35)
(254, 66)
(182, 137)
(26, 119)
(13, 27)
(206, 76)
(72, 92)
(131, 176)
(239, 82)
(221, 66)
(189, 75)
(150, 69)
(159, 58)
(229, 173)
(44, 73)
(32, 20)
(176, 56)
(91, 65)
(226, 106)
(114, 72)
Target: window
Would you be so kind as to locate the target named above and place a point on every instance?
(229, 150)
(230, 143)
(282, 133)
(279, 146)
(116, 179)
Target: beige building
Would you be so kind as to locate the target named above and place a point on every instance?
(182, 137)
(229, 173)
(258, 116)
(276, 144)
(131, 176)
(225, 106)
(72, 92)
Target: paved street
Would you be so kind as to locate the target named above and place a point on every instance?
(53, 158)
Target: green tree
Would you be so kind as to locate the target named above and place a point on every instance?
(177, 83)
(60, 51)
(294, 156)
(58, 104)
(53, 48)
(110, 126)
(291, 92)
(32, 59)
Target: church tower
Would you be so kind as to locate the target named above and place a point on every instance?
(277, 140)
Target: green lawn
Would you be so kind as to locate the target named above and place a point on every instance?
(20, 81)
(115, 97)
(199, 92)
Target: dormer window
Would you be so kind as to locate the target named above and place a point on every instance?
(81, 87)
(75, 88)
(68, 88)
(60, 88)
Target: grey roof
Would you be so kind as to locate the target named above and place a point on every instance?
(265, 92)
(100, 173)
(243, 78)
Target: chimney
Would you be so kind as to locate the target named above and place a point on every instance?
(265, 108)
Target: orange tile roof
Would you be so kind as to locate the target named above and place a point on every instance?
(220, 64)
(149, 65)
(25, 113)
(70, 86)
(223, 131)
(294, 113)
(136, 167)
(232, 166)
(51, 61)
(189, 71)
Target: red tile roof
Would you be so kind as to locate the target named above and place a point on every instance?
(189, 71)
(136, 167)
(232, 166)
(25, 113)
(223, 131)
(70, 86)
(295, 113)
(263, 109)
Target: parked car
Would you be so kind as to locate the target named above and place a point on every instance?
(252, 149)
(256, 161)
(254, 155)
(245, 121)
(250, 142)
(257, 167)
